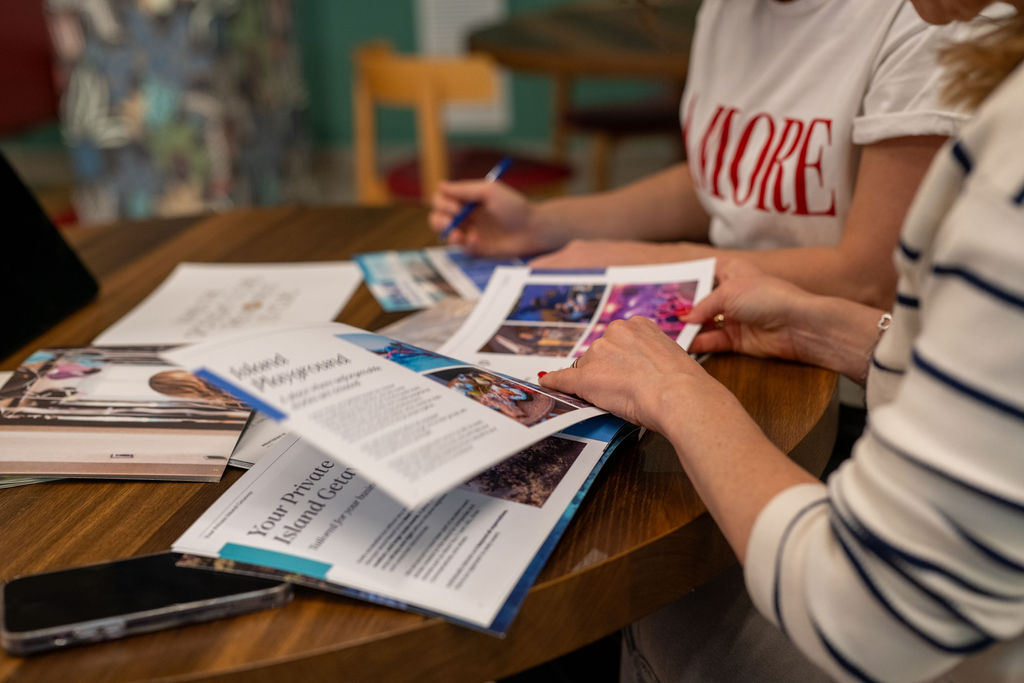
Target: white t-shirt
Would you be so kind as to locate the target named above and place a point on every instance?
(780, 95)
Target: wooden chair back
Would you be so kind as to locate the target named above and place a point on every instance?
(383, 77)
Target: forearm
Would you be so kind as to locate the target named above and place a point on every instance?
(831, 271)
(733, 466)
(659, 207)
(836, 334)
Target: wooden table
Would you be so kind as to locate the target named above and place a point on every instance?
(593, 39)
(640, 540)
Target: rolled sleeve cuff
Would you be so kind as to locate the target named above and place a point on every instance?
(871, 129)
(778, 522)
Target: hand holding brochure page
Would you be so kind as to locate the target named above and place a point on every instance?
(414, 422)
(531, 320)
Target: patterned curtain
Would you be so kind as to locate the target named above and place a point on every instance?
(171, 107)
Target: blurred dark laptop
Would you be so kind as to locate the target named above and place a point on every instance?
(42, 279)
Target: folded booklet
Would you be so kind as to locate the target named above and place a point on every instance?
(469, 555)
(540, 320)
(418, 278)
(414, 422)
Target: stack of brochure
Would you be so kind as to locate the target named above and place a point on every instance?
(424, 469)
(116, 409)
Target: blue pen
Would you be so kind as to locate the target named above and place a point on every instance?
(492, 175)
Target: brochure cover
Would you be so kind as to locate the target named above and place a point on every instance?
(529, 321)
(114, 412)
(418, 278)
(469, 555)
(412, 421)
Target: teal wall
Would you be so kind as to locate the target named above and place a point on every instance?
(328, 31)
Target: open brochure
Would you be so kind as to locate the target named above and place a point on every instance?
(418, 278)
(198, 300)
(469, 555)
(414, 422)
(540, 320)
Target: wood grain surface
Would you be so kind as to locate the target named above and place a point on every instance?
(641, 538)
(602, 39)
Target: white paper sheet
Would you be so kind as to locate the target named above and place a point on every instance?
(198, 300)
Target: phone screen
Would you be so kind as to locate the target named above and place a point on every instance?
(52, 600)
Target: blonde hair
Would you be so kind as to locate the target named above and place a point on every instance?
(975, 68)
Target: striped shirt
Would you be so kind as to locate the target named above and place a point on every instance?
(912, 557)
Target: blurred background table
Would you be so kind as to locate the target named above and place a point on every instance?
(641, 538)
(600, 40)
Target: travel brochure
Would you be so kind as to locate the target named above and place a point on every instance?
(119, 412)
(412, 421)
(418, 278)
(468, 555)
(420, 466)
(529, 321)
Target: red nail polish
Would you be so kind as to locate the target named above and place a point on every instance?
(541, 374)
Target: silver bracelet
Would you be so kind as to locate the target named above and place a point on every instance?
(884, 323)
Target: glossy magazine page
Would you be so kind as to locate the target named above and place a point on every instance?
(469, 554)
(412, 421)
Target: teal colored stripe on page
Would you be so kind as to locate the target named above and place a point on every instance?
(275, 560)
(242, 395)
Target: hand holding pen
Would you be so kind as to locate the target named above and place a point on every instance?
(494, 174)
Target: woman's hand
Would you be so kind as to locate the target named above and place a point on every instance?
(764, 316)
(753, 314)
(639, 373)
(502, 224)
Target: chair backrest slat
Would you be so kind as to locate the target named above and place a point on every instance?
(383, 77)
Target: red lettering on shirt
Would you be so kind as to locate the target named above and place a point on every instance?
(720, 124)
(801, 172)
(775, 171)
(779, 160)
(741, 150)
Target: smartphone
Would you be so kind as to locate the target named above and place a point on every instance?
(136, 595)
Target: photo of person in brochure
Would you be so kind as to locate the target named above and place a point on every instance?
(113, 386)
